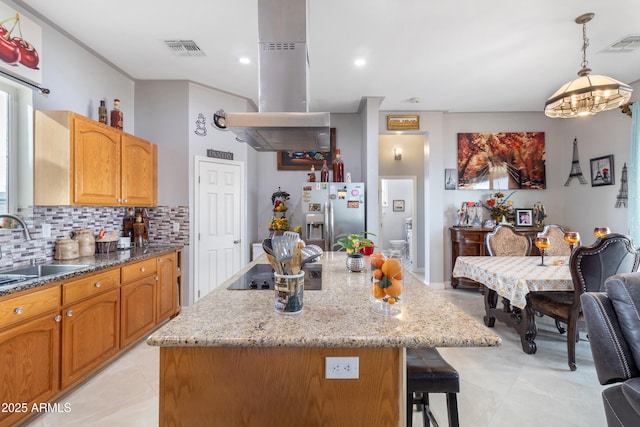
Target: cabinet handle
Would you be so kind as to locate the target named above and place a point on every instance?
(160, 259)
(69, 313)
(58, 318)
(18, 310)
(118, 200)
(97, 284)
(126, 200)
(157, 278)
(141, 268)
(178, 269)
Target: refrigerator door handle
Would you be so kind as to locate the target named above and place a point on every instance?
(330, 230)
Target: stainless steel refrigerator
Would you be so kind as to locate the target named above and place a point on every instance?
(340, 206)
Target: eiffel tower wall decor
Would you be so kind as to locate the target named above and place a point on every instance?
(576, 171)
(623, 194)
(602, 172)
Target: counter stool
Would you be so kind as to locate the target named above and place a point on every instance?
(428, 372)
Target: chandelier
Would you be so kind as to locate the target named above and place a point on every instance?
(588, 94)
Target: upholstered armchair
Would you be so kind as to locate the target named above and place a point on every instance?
(558, 247)
(590, 266)
(504, 241)
(613, 325)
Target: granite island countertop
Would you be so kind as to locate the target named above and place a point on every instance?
(340, 316)
(97, 262)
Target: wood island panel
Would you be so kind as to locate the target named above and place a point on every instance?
(245, 386)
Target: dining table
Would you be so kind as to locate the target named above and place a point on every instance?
(512, 279)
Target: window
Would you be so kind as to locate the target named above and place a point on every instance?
(15, 136)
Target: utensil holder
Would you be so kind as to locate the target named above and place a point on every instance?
(289, 292)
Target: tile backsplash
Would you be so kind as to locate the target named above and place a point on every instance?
(63, 220)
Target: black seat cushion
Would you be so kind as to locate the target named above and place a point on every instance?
(428, 372)
(624, 292)
(631, 390)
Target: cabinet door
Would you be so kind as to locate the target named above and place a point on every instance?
(139, 177)
(166, 286)
(138, 309)
(96, 163)
(30, 360)
(90, 335)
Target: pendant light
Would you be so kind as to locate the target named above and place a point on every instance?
(588, 94)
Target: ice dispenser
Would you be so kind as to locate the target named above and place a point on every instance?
(314, 229)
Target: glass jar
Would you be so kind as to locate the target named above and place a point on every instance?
(387, 282)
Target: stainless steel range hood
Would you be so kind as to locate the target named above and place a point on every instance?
(283, 122)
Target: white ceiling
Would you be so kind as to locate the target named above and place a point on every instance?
(454, 55)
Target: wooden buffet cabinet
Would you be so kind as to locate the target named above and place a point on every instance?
(53, 336)
(78, 161)
(470, 241)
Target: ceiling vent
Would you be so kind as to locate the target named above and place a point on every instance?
(626, 44)
(184, 48)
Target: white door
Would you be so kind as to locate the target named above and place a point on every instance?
(219, 219)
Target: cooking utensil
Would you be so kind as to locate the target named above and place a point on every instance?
(282, 251)
(277, 267)
(296, 260)
(267, 247)
(293, 236)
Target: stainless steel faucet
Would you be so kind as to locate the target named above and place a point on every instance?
(27, 236)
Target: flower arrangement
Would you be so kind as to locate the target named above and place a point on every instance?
(352, 243)
(499, 205)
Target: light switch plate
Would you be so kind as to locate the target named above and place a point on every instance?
(176, 227)
(46, 231)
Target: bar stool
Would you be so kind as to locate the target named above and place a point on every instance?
(428, 372)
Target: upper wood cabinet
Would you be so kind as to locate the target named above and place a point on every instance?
(78, 161)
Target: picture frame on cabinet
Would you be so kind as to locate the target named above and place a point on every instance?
(303, 160)
(602, 172)
(524, 217)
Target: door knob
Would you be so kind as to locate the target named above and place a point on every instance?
(235, 242)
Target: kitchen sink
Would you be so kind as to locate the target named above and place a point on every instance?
(17, 275)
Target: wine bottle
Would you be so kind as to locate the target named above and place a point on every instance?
(312, 174)
(116, 115)
(338, 168)
(102, 112)
(324, 172)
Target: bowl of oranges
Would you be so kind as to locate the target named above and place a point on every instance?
(387, 281)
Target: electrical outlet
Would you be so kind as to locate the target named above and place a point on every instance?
(176, 227)
(341, 368)
(46, 231)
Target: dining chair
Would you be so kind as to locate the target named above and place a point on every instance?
(504, 241)
(590, 266)
(558, 246)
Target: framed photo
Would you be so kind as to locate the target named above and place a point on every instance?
(403, 122)
(602, 171)
(303, 160)
(450, 179)
(524, 217)
(398, 205)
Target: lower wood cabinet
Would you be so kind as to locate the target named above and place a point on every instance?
(166, 290)
(29, 366)
(138, 309)
(90, 335)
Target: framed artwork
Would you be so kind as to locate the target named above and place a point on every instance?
(303, 160)
(524, 217)
(398, 205)
(24, 62)
(602, 171)
(403, 122)
(450, 179)
(503, 160)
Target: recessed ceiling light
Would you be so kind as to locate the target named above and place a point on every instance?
(360, 62)
(244, 60)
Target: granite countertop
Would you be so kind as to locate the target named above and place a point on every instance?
(339, 315)
(91, 263)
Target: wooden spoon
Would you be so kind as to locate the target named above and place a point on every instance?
(296, 261)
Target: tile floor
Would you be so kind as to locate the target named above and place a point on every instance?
(500, 387)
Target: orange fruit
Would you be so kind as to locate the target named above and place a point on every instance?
(377, 291)
(377, 260)
(377, 274)
(391, 267)
(391, 300)
(394, 289)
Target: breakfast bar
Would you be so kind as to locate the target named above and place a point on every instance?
(231, 359)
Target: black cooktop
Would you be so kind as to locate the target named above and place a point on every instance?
(260, 277)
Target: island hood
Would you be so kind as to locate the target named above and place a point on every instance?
(283, 122)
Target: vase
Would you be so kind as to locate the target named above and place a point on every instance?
(355, 262)
(387, 278)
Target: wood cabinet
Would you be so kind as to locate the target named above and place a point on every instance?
(78, 161)
(470, 241)
(137, 300)
(29, 351)
(90, 335)
(166, 286)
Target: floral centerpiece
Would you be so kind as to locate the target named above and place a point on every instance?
(499, 205)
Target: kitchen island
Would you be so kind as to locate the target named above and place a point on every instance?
(230, 359)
